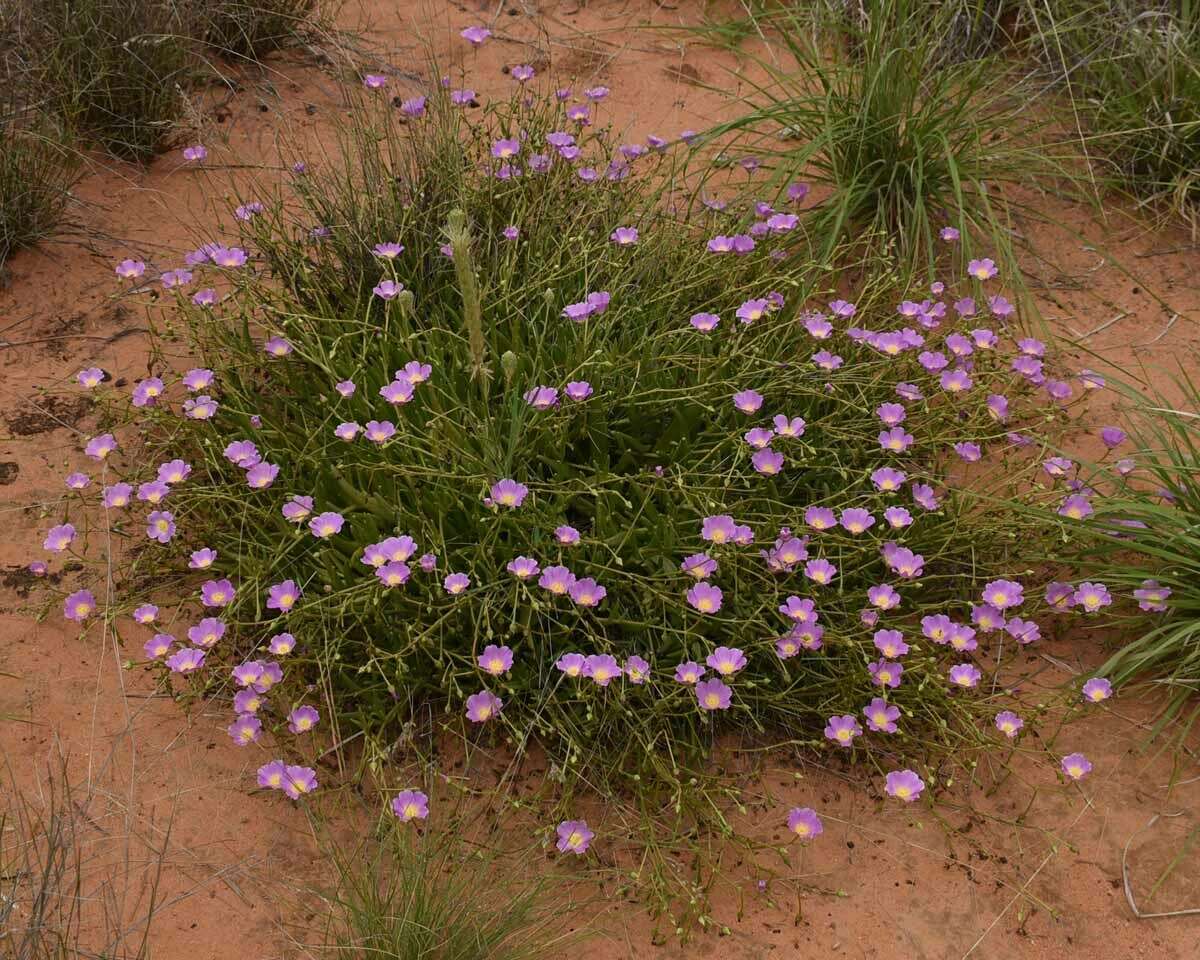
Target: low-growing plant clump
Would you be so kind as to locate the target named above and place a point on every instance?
(483, 427)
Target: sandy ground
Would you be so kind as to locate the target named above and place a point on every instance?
(1027, 869)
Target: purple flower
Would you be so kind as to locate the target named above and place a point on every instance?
(890, 643)
(1076, 766)
(885, 673)
(248, 701)
(1151, 596)
(637, 669)
(521, 72)
(475, 35)
(456, 583)
(705, 597)
(601, 668)
(624, 236)
(1112, 437)
(158, 646)
(217, 593)
(955, 381)
(482, 706)
(881, 715)
(387, 289)
(242, 453)
(523, 568)
(804, 823)
(965, 675)
(153, 492)
(496, 660)
(896, 439)
(271, 775)
(820, 518)
(751, 310)
(393, 573)
(758, 438)
(969, 452)
(558, 580)
(587, 592)
(888, 479)
(79, 606)
(202, 559)
(388, 250)
(748, 401)
(578, 390)
(58, 538)
(542, 398)
(574, 837)
(228, 256)
(983, 269)
(856, 520)
(718, 529)
(185, 661)
(726, 660)
(325, 525)
(298, 781)
(91, 377)
(767, 462)
(379, 431)
(207, 633)
(1003, 594)
(283, 596)
(705, 322)
(904, 785)
(413, 107)
(509, 493)
(410, 805)
(571, 664)
(798, 609)
(130, 269)
(303, 719)
(820, 571)
(689, 672)
(510, 232)
(245, 730)
(1008, 723)
(160, 526)
(345, 388)
(176, 278)
(566, 535)
(923, 496)
(842, 730)
(261, 475)
(145, 614)
(1023, 631)
(1097, 689)
(713, 695)
(100, 447)
(1092, 597)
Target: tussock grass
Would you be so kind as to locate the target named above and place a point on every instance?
(1150, 530)
(38, 166)
(902, 125)
(1131, 69)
